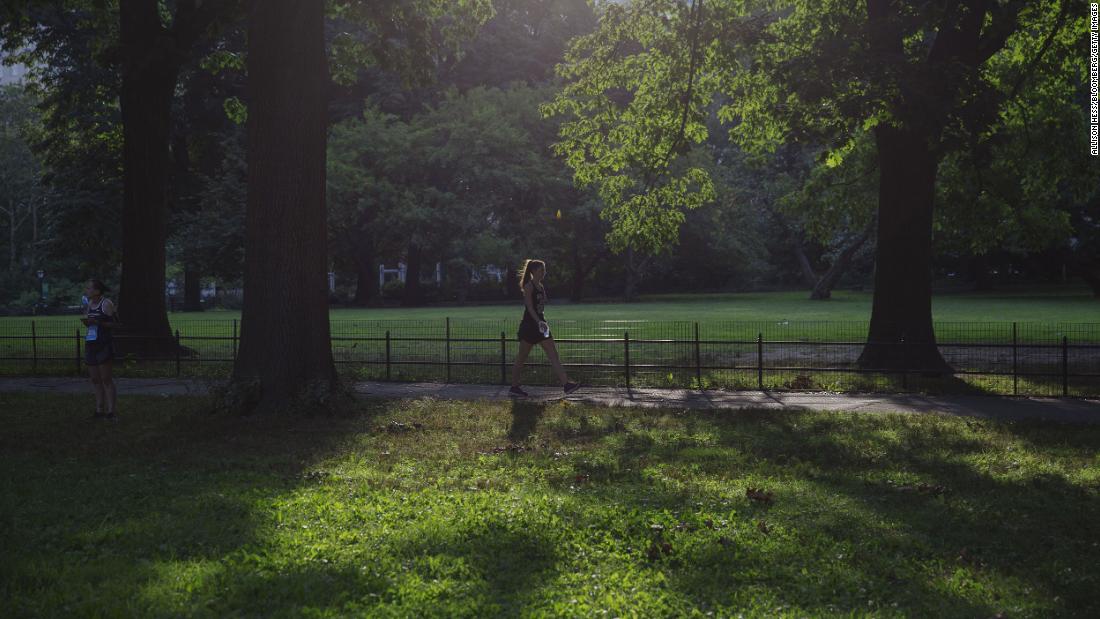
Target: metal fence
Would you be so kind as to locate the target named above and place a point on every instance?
(1052, 359)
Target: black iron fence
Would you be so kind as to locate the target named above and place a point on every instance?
(1052, 359)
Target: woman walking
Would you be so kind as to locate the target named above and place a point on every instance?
(533, 328)
(101, 319)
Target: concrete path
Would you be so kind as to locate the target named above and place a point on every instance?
(995, 407)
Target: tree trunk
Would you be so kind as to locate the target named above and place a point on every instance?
(11, 238)
(631, 283)
(809, 276)
(192, 290)
(823, 288)
(901, 309)
(576, 290)
(979, 273)
(285, 347)
(411, 296)
(366, 284)
(34, 234)
(1092, 278)
(148, 82)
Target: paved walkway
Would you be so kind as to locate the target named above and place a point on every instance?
(1053, 409)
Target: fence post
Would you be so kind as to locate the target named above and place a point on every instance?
(1015, 373)
(177, 352)
(698, 365)
(234, 340)
(387, 354)
(78, 350)
(760, 361)
(448, 377)
(626, 356)
(503, 375)
(1065, 365)
(34, 347)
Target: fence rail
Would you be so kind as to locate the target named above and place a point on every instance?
(1053, 359)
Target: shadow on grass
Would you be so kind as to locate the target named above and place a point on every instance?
(168, 483)
(1028, 528)
(525, 419)
(918, 520)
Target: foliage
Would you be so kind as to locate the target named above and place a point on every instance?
(634, 102)
(407, 38)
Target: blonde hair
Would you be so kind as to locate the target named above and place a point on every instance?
(524, 272)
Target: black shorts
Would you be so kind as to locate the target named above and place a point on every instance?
(529, 332)
(96, 353)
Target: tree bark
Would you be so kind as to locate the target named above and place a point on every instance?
(823, 288)
(411, 296)
(149, 73)
(192, 290)
(285, 348)
(809, 275)
(901, 308)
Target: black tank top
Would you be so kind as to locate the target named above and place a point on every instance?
(539, 301)
(103, 334)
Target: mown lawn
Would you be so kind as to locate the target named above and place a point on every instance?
(448, 509)
(1047, 304)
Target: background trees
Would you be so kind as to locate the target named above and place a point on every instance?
(927, 81)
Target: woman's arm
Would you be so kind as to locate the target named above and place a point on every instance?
(528, 294)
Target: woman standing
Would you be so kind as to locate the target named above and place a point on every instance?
(101, 319)
(533, 328)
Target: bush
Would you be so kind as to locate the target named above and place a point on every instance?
(393, 289)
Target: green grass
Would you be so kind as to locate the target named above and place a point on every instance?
(450, 509)
(1069, 304)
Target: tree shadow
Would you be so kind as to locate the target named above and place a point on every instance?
(525, 419)
(975, 523)
(92, 502)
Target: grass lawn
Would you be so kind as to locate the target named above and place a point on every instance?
(448, 509)
(1070, 304)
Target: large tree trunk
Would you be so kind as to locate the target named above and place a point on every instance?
(285, 348)
(192, 290)
(148, 82)
(411, 296)
(901, 309)
(366, 268)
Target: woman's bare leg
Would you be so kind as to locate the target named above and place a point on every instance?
(97, 385)
(106, 377)
(521, 357)
(552, 354)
